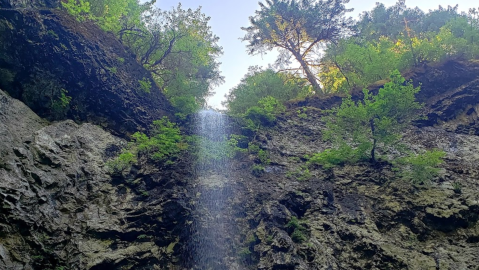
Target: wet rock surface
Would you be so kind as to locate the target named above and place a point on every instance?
(47, 54)
(59, 207)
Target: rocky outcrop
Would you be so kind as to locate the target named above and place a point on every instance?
(64, 69)
(361, 216)
(29, 3)
(61, 210)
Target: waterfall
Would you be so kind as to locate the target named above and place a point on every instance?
(211, 240)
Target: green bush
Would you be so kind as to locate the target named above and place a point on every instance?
(258, 170)
(420, 168)
(300, 174)
(297, 231)
(264, 114)
(341, 155)
(121, 163)
(60, 105)
(258, 84)
(165, 143)
(357, 129)
(80, 9)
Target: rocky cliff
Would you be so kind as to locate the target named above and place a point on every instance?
(60, 209)
(48, 57)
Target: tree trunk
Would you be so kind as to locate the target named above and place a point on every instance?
(309, 75)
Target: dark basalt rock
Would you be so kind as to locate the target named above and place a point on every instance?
(45, 53)
(29, 3)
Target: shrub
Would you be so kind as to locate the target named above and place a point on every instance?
(121, 163)
(80, 9)
(165, 143)
(264, 114)
(358, 128)
(258, 170)
(420, 168)
(60, 105)
(296, 230)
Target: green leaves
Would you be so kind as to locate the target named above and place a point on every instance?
(80, 9)
(397, 38)
(358, 128)
(165, 142)
(420, 168)
(177, 46)
(259, 83)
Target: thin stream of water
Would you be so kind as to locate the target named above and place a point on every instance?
(211, 239)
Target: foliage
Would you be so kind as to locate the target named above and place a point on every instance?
(145, 85)
(300, 174)
(80, 9)
(60, 106)
(264, 114)
(397, 38)
(342, 154)
(259, 83)
(180, 50)
(296, 230)
(297, 28)
(121, 163)
(258, 170)
(165, 142)
(421, 168)
(358, 128)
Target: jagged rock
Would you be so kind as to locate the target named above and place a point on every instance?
(61, 209)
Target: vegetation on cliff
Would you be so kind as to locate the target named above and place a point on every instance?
(176, 46)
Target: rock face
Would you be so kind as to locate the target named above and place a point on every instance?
(360, 217)
(29, 3)
(48, 57)
(61, 209)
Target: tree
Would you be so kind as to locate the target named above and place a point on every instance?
(259, 83)
(181, 51)
(358, 129)
(297, 28)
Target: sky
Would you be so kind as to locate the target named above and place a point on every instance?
(227, 18)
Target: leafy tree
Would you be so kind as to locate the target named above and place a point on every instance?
(389, 22)
(297, 28)
(259, 83)
(358, 128)
(180, 50)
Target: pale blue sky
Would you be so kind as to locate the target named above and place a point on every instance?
(228, 16)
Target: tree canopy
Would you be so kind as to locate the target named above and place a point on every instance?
(400, 38)
(296, 29)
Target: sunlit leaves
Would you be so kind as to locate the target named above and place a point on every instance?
(260, 83)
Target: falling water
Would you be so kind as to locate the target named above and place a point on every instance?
(212, 234)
